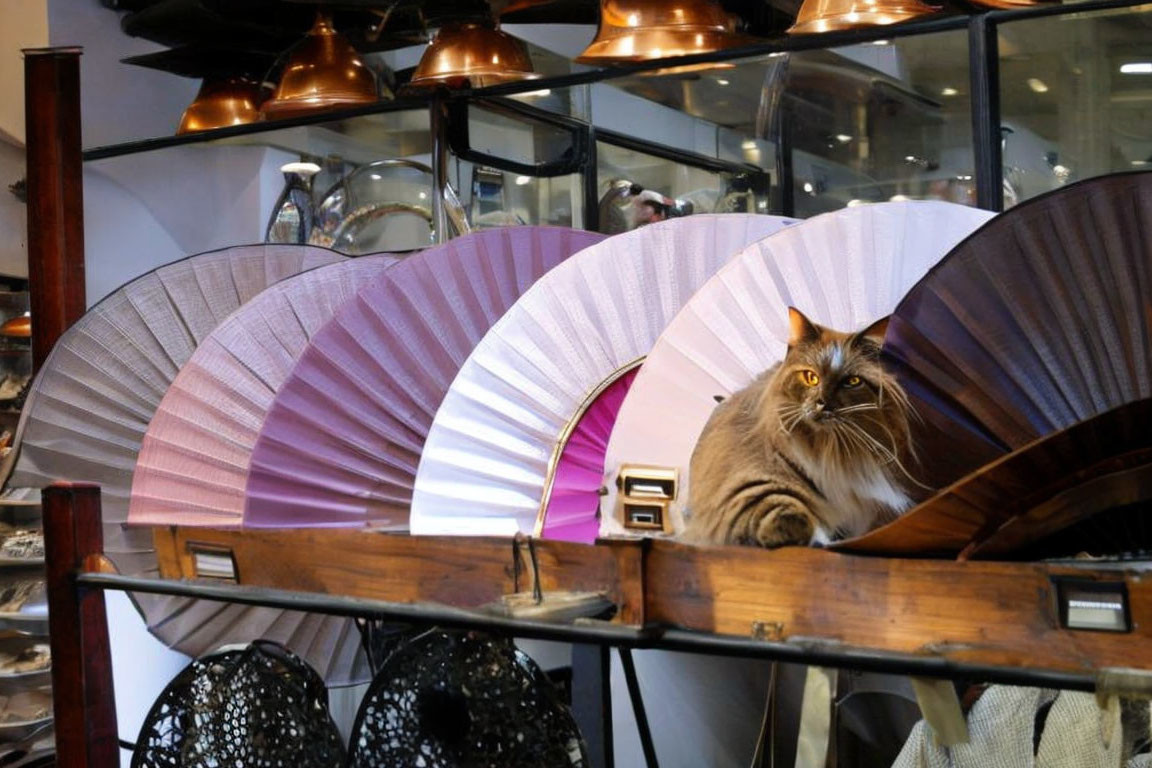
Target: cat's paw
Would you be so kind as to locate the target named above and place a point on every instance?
(785, 526)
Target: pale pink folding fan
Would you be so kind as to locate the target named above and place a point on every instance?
(193, 464)
(490, 461)
(340, 444)
(91, 402)
(843, 269)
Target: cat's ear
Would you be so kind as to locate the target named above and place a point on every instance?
(800, 329)
(875, 332)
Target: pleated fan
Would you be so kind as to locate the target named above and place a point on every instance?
(489, 462)
(843, 269)
(340, 443)
(1039, 322)
(193, 463)
(91, 402)
(1033, 492)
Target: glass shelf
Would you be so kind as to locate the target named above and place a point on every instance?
(796, 125)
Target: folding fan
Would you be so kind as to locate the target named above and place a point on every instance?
(90, 405)
(1039, 489)
(844, 269)
(489, 463)
(1037, 323)
(340, 443)
(463, 699)
(193, 462)
(257, 706)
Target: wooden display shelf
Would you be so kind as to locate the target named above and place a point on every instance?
(990, 614)
(984, 621)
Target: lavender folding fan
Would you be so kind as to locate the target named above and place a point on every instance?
(340, 444)
(489, 465)
(193, 463)
(91, 402)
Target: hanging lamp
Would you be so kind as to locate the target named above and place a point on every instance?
(640, 30)
(222, 102)
(473, 53)
(835, 15)
(323, 72)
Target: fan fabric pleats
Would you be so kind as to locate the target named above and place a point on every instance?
(487, 458)
(340, 444)
(843, 269)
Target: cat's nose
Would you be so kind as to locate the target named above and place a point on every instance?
(819, 406)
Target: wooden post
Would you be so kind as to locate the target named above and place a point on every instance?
(82, 694)
(55, 197)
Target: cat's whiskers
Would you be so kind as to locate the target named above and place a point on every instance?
(789, 416)
(857, 407)
(887, 453)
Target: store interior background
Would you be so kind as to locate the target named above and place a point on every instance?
(145, 210)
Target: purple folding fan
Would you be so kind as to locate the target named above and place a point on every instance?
(340, 444)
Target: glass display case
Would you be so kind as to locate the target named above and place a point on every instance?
(985, 109)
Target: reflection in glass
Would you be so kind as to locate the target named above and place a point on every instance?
(291, 220)
(1075, 98)
(381, 206)
(864, 123)
(638, 188)
(496, 198)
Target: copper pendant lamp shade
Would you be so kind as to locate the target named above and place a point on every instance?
(222, 102)
(19, 327)
(472, 53)
(640, 30)
(323, 72)
(833, 15)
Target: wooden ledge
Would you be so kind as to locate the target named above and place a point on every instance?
(976, 613)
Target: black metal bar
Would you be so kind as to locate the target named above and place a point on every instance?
(440, 127)
(681, 156)
(637, 697)
(459, 140)
(592, 702)
(592, 184)
(984, 70)
(602, 633)
(232, 131)
(784, 148)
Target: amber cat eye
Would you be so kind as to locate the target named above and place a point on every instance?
(853, 381)
(809, 378)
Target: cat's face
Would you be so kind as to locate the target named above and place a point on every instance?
(833, 392)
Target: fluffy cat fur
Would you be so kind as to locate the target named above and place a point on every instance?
(808, 452)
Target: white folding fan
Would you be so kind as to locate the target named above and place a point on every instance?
(842, 269)
(491, 454)
(91, 402)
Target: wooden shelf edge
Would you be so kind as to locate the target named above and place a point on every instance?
(993, 614)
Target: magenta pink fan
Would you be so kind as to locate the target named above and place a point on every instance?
(341, 442)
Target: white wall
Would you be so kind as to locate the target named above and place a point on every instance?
(25, 26)
(13, 214)
(118, 102)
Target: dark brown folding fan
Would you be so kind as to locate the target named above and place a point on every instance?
(1020, 351)
(1034, 491)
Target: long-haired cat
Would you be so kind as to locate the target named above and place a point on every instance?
(808, 452)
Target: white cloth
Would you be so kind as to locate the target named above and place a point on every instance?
(1077, 734)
